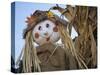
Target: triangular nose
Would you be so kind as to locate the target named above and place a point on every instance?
(46, 34)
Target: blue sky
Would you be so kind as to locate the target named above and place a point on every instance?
(22, 10)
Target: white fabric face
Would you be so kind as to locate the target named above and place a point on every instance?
(45, 32)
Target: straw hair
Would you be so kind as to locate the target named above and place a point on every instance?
(31, 62)
(68, 45)
(30, 58)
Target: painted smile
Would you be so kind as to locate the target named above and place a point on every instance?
(47, 39)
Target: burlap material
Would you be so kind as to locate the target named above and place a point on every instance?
(59, 59)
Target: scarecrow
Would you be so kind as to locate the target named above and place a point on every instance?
(45, 29)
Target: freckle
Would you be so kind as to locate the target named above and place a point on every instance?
(36, 35)
(55, 29)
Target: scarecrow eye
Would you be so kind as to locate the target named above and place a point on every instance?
(47, 25)
(39, 28)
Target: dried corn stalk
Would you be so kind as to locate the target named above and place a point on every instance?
(84, 20)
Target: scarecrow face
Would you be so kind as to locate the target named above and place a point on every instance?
(45, 32)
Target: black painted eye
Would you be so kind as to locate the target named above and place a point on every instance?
(39, 28)
(47, 25)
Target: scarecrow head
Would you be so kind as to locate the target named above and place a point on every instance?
(44, 27)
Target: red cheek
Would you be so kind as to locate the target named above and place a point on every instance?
(55, 29)
(36, 35)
